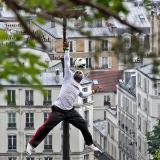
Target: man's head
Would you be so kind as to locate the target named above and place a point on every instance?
(78, 76)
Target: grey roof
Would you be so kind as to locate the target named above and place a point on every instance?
(101, 127)
(56, 32)
(147, 71)
(47, 79)
(137, 16)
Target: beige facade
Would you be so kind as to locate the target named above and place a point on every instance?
(91, 50)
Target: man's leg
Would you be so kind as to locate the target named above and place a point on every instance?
(76, 119)
(53, 119)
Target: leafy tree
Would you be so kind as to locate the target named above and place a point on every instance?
(153, 139)
(157, 155)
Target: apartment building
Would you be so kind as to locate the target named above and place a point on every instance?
(105, 111)
(25, 109)
(97, 50)
(138, 111)
(148, 106)
(127, 116)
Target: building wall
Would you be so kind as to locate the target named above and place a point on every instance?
(148, 111)
(81, 49)
(76, 139)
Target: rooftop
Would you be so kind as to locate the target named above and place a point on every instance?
(55, 31)
(47, 79)
(101, 127)
(107, 80)
(137, 16)
(147, 71)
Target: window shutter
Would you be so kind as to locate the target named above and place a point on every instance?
(109, 62)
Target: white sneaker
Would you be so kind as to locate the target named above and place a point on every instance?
(29, 149)
(94, 148)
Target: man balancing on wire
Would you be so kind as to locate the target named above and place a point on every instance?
(63, 107)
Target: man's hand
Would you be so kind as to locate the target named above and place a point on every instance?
(96, 90)
(65, 45)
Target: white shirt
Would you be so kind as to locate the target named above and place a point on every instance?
(70, 89)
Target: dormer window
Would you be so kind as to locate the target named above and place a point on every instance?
(126, 37)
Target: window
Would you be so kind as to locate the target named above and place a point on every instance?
(29, 158)
(105, 45)
(139, 144)
(12, 158)
(139, 80)
(158, 88)
(85, 100)
(28, 138)
(90, 46)
(48, 158)
(109, 130)
(127, 41)
(88, 63)
(47, 98)
(71, 62)
(127, 104)
(48, 142)
(112, 132)
(107, 100)
(86, 116)
(29, 120)
(141, 41)
(104, 62)
(86, 157)
(12, 142)
(119, 99)
(145, 85)
(146, 105)
(11, 120)
(105, 116)
(45, 116)
(139, 100)
(29, 97)
(70, 46)
(139, 122)
(11, 97)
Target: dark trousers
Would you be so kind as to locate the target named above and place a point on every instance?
(56, 116)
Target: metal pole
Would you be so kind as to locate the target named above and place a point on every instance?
(66, 146)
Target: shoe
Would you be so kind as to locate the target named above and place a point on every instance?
(94, 148)
(29, 149)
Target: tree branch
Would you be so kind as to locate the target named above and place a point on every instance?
(104, 11)
(27, 30)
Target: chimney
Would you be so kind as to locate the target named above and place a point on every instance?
(57, 75)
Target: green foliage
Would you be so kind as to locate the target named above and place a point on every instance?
(20, 67)
(153, 139)
(157, 155)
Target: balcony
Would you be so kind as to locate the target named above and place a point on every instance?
(46, 103)
(11, 103)
(48, 148)
(29, 102)
(11, 125)
(29, 125)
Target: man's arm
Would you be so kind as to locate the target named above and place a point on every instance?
(67, 71)
(86, 94)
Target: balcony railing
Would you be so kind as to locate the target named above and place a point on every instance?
(11, 103)
(11, 125)
(29, 102)
(49, 102)
(29, 125)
